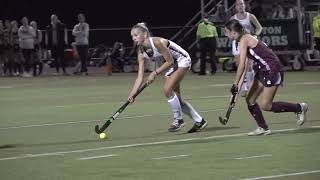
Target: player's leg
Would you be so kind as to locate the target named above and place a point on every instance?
(254, 109)
(278, 107)
(187, 109)
(171, 82)
(249, 74)
(272, 81)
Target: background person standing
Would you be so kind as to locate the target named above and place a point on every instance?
(26, 42)
(81, 34)
(316, 30)
(206, 35)
(56, 41)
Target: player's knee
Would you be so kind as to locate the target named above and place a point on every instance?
(168, 92)
(249, 101)
(266, 106)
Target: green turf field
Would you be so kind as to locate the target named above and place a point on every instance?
(47, 131)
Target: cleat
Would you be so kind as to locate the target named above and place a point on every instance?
(302, 116)
(259, 131)
(198, 126)
(176, 125)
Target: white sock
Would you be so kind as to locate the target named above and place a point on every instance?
(249, 77)
(244, 86)
(190, 111)
(175, 106)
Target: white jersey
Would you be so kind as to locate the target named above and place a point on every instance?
(246, 24)
(180, 57)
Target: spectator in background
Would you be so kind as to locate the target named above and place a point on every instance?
(206, 35)
(7, 48)
(117, 55)
(56, 40)
(16, 53)
(291, 13)
(2, 60)
(26, 42)
(278, 12)
(81, 33)
(316, 30)
(220, 15)
(37, 65)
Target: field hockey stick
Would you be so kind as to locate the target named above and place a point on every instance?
(224, 120)
(99, 130)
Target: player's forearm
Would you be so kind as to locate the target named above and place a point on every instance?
(239, 74)
(136, 85)
(258, 31)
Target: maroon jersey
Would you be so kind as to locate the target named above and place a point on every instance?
(265, 59)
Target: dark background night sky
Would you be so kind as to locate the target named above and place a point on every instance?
(105, 14)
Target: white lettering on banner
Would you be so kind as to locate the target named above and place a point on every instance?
(275, 40)
(272, 30)
(271, 35)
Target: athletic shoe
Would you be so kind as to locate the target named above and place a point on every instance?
(27, 75)
(198, 126)
(84, 73)
(302, 116)
(259, 131)
(176, 125)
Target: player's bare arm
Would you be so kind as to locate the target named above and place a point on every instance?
(257, 25)
(139, 79)
(242, 60)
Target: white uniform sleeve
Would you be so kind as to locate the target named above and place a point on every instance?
(235, 48)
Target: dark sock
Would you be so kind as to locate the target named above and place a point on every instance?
(279, 107)
(257, 115)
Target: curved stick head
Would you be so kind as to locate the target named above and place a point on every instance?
(222, 120)
(97, 129)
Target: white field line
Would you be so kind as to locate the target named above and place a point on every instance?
(90, 121)
(171, 157)
(284, 175)
(98, 157)
(251, 157)
(219, 85)
(203, 97)
(137, 145)
(99, 103)
(306, 83)
(85, 104)
(6, 87)
(32, 156)
(298, 83)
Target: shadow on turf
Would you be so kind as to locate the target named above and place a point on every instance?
(7, 146)
(216, 128)
(294, 121)
(302, 131)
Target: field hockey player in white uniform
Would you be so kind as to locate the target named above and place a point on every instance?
(176, 65)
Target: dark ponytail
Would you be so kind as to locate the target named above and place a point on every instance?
(235, 25)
